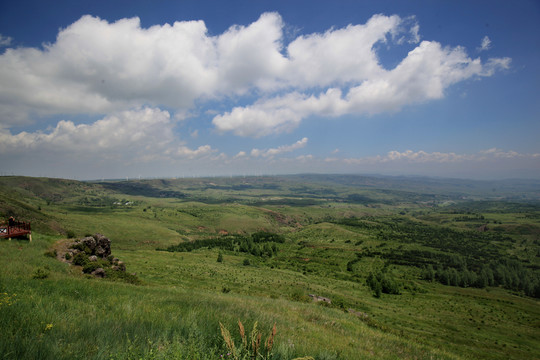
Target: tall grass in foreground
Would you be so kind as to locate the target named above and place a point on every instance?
(69, 316)
(250, 348)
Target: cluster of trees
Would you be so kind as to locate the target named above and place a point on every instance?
(451, 257)
(507, 273)
(258, 244)
(383, 283)
(475, 217)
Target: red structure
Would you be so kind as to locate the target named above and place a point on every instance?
(13, 228)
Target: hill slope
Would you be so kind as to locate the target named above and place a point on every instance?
(403, 261)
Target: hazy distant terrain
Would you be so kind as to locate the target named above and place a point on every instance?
(410, 267)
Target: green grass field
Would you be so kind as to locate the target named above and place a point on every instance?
(458, 292)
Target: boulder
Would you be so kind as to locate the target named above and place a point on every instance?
(103, 245)
(92, 258)
(99, 272)
(100, 252)
(90, 242)
(121, 266)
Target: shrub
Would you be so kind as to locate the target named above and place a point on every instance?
(40, 273)
(116, 275)
(67, 256)
(51, 253)
(298, 295)
(90, 266)
(220, 258)
(80, 259)
(246, 262)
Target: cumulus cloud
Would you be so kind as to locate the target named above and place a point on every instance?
(269, 153)
(346, 59)
(136, 135)
(96, 67)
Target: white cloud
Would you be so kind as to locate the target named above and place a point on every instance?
(96, 67)
(185, 152)
(486, 44)
(423, 157)
(338, 56)
(423, 75)
(138, 135)
(5, 40)
(269, 153)
(415, 34)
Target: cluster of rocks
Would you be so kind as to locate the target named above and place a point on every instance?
(93, 253)
(99, 246)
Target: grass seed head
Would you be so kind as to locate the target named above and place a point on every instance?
(229, 342)
(242, 334)
(270, 341)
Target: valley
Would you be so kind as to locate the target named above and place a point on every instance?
(413, 268)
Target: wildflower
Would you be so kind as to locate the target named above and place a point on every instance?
(48, 327)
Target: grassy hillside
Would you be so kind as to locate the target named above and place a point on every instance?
(414, 268)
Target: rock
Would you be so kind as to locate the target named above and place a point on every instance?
(99, 272)
(103, 245)
(90, 242)
(121, 266)
(318, 298)
(92, 258)
(100, 252)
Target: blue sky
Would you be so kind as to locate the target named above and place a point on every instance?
(116, 89)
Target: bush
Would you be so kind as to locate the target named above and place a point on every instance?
(40, 273)
(338, 302)
(220, 258)
(246, 262)
(80, 259)
(298, 295)
(51, 253)
(90, 266)
(121, 276)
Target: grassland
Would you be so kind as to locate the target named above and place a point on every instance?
(421, 237)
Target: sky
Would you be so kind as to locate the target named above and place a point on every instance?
(141, 88)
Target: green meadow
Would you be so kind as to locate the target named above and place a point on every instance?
(412, 268)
